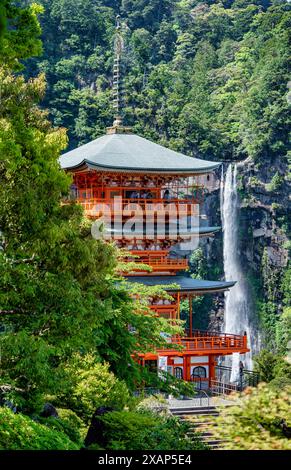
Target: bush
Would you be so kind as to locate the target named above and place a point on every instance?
(256, 422)
(93, 385)
(155, 404)
(18, 432)
(68, 423)
(126, 430)
(272, 369)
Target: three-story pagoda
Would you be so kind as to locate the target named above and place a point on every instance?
(151, 197)
(150, 194)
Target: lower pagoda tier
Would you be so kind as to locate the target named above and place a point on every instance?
(184, 284)
(195, 358)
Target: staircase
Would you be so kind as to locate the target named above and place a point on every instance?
(200, 418)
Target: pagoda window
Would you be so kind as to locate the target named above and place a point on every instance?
(199, 372)
(178, 372)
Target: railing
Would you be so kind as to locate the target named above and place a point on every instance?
(207, 397)
(247, 378)
(205, 342)
(162, 263)
(222, 388)
(211, 333)
(97, 205)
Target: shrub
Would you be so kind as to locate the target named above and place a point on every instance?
(93, 385)
(68, 423)
(19, 432)
(126, 430)
(256, 422)
(272, 368)
(155, 404)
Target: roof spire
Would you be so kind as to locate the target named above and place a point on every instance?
(118, 91)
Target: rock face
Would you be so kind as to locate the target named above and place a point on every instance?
(264, 225)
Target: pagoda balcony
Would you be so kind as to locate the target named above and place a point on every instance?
(94, 207)
(206, 343)
(160, 263)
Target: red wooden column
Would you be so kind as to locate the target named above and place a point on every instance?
(190, 316)
(186, 368)
(178, 302)
(211, 368)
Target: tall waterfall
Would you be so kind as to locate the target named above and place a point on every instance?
(238, 303)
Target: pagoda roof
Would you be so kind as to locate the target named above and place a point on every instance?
(186, 284)
(182, 232)
(131, 153)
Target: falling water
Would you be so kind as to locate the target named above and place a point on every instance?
(238, 302)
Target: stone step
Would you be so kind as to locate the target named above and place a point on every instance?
(191, 408)
(199, 415)
(205, 417)
(195, 412)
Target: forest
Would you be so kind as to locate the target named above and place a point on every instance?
(210, 79)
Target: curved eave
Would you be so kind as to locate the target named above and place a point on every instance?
(87, 164)
(186, 285)
(200, 231)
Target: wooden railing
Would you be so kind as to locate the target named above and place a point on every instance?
(163, 264)
(157, 205)
(219, 341)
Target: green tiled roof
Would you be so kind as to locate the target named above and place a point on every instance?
(131, 153)
(186, 284)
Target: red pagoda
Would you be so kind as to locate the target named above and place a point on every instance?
(151, 197)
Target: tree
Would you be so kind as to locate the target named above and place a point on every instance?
(59, 293)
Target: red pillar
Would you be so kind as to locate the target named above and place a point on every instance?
(186, 368)
(190, 317)
(211, 368)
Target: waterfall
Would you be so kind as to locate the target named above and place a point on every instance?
(238, 303)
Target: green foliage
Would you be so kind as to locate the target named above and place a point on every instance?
(283, 330)
(19, 33)
(208, 78)
(145, 431)
(276, 285)
(254, 422)
(90, 385)
(154, 404)
(272, 369)
(18, 432)
(275, 183)
(265, 363)
(68, 423)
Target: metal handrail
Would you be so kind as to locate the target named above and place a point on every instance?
(207, 396)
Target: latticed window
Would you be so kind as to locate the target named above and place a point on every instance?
(178, 372)
(199, 372)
